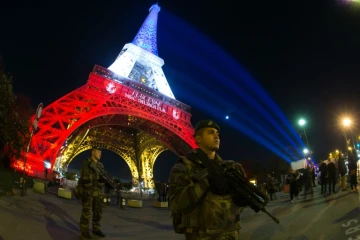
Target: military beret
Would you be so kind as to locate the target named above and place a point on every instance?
(207, 124)
(96, 147)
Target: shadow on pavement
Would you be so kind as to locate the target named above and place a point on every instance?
(148, 223)
(55, 230)
(327, 200)
(353, 214)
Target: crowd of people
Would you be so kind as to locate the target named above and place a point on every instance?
(333, 174)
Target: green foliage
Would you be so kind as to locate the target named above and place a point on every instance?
(127, 186)
(70, 175)
(117, 181)
(15, 114)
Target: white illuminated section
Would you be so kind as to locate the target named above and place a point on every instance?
(139, 60)
(140, 65)
(111, 88)
(47, 164)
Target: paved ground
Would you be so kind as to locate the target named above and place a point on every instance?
(49, 217)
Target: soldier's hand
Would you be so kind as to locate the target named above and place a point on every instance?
(218, 183)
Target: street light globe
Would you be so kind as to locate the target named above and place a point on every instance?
(347, 122)
(302, 122)
(306, 151)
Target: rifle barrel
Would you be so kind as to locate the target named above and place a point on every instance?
(273, 218)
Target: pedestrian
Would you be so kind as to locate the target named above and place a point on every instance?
(45, 173)
(271, 187)
(118, 193)
(352, 170)
(293, 180)
(323, 176)
(342, 171)
(308, 184)
(164, 193)
(331, 170)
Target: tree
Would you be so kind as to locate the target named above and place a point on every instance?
(15, 114)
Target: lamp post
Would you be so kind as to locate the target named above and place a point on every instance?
(302, 123)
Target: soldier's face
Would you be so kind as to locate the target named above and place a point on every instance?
(209, 140)
(96, 154)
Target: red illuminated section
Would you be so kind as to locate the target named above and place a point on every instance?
(106, 93)
(19, 166)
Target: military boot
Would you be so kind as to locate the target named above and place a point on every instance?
(99, 233)
(86, 235)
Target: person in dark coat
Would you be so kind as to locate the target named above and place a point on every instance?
(293, 180)
(271, 186)
(331, 171)
(323, 176)
(308, 187)
(352, 169)
(342, 170)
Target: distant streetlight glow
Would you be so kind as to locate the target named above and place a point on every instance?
(306, 151)
(302, 122)
(346, 122)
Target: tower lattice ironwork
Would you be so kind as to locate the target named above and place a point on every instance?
(117, 109)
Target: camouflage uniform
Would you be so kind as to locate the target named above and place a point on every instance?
(92, 198)
(196, 211)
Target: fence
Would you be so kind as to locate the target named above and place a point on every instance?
(136, 196)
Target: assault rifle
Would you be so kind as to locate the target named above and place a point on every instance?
(245, 193)
(99, 168)
(241, 190)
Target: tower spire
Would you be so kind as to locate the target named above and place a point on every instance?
(139, 60)
(146, 37)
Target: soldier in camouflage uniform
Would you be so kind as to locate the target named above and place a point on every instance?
(92, 197)
(201, 207)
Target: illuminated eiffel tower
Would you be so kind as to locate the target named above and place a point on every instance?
(128, 109)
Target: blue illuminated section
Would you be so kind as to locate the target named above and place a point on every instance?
(146, 37)
(262, 134)
(215, 111)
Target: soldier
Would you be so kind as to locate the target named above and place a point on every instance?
(201, 206)
(92, 197)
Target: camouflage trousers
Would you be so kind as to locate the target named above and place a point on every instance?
(95, 205)
(226, 236)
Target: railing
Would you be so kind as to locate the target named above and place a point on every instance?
(137, 196)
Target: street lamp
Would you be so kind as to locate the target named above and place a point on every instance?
(346, 122)
(302, 123)
(306, 151)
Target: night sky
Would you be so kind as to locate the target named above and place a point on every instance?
(305, 54)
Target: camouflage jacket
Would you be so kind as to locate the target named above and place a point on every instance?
(89, 178)
(196, 210)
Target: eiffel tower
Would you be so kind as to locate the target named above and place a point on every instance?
(128, 108)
